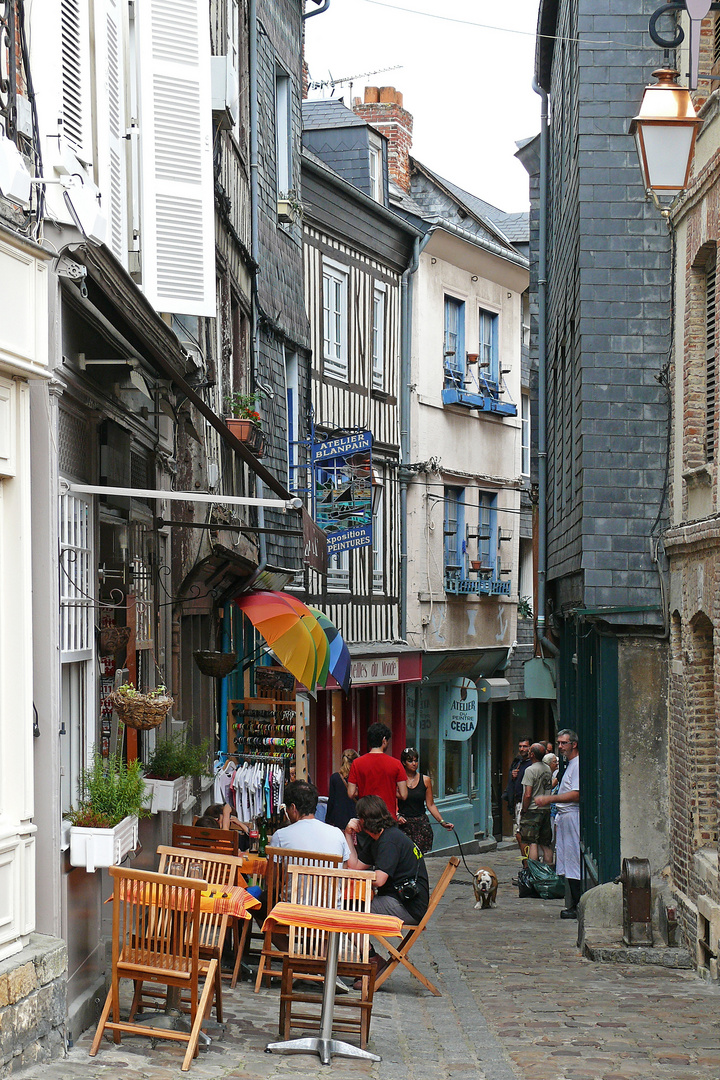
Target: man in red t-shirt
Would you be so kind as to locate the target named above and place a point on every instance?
(376, 773)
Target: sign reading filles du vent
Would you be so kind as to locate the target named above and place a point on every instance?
(458, 710)
(384, 669)
(343, 491)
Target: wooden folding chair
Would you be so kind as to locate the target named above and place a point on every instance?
(347, 890)
(279, 859)
(221, 841)
(399, 953)
(217, 870)
(156, 938)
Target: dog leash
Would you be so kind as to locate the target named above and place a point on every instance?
(462, 855)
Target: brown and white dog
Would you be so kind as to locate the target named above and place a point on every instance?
(485, 886)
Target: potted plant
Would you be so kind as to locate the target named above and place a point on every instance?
(289, 208)
(170, 769)
(104, 826)
(245, 422)
(141, 711)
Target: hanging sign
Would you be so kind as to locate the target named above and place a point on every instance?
(458, 709)
(343, 491)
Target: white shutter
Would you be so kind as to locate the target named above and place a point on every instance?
(174, 104)
(75, 77)
(111, 122)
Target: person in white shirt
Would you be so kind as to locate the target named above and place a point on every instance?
(305, 832)
(567, 834)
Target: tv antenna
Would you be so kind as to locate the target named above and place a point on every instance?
(332, 83)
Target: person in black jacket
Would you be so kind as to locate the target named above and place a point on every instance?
(514, 791)
(340, 807)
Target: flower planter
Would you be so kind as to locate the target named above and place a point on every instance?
(93, 848)
(168, 795)
(246, 431)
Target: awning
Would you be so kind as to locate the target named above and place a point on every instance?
(472, 663)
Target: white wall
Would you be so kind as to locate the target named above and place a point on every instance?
(23, 356)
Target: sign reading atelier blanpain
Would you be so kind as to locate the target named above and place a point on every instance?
(343, 491)
(458, 710)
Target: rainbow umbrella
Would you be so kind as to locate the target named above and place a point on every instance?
(339, 654)
(290, 630)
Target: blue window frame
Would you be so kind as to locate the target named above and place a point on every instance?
(488, 347)
(487, 533)
(454, 342)
(454, 531)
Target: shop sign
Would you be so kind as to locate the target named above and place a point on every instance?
(458, 710)
(343, 491)
(380, 670)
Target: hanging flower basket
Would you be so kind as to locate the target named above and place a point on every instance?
(246, 431)
(113, 639)
(141, 711)
(216, 664)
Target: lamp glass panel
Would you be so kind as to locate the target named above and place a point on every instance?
(667, 150)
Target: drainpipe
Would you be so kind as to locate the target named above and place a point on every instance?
(543, 641)
(318, 11)
(405, 375)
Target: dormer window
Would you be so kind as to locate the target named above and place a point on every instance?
(376, 169)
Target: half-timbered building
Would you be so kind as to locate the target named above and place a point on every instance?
(356, 252)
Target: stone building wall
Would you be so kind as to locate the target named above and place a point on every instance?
(32, 1004)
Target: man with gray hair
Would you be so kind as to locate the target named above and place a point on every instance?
(567, 822)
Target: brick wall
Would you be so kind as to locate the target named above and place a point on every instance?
(383, 109)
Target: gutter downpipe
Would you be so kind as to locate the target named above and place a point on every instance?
(405, 375)
(254, 225)
(542, 640)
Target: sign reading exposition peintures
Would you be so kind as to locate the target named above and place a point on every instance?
(458, 709)
(343, 491)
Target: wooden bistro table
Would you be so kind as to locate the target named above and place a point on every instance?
(334, 923)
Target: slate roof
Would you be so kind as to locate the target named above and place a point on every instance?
(329, 113)
(515, 227)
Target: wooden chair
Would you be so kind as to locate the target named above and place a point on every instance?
(399, 953)
(218, 870)
(279, 859)
(221, 841)
(347, 890)
(156, 938)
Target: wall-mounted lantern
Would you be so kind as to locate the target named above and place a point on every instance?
(665, 130)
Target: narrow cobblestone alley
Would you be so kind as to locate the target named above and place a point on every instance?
(519, 1003)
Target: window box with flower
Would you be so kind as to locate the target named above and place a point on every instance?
(245, 422)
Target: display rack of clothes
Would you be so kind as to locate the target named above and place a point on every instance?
(253, 786)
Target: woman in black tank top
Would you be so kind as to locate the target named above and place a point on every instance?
(412, 816)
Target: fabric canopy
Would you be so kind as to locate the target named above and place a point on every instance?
(292, 632)
(338, 662)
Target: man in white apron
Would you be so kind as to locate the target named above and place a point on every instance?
(567, 823)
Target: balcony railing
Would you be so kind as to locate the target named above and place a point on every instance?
(480, 585)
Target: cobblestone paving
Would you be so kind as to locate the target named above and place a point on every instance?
(519, 1003)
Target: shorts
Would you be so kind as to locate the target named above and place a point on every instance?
(535, 828)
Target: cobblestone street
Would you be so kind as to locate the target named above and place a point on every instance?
(519, 1003)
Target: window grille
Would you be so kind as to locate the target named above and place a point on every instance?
(142, 586)
(73, 445)
(76, 577)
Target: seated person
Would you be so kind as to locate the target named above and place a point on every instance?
(377, 843)
(305, 832)
(225, 819)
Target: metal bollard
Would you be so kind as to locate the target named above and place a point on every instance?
(637, 902)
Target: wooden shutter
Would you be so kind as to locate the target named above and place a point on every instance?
(112, 123)
(176, 183)
(75, 77)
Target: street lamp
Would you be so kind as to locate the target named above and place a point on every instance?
(665, 131)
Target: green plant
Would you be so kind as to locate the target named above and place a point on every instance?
(109, 790)
(129, 691)
(524, 608)
(292, 199)
(175, 756)
(242, 407)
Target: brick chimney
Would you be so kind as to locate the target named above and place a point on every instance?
(383, 109)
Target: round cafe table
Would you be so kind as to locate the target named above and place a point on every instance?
(335, 923)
